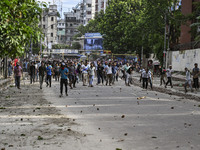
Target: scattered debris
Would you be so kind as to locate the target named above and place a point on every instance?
(123, 116)
(125, 134)
(40, 138)
(141, 97)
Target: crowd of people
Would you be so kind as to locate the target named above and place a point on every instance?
(69, 73)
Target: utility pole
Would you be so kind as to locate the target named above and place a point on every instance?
(142, 52)
(165, 37)
(30, 51)
(167, 54)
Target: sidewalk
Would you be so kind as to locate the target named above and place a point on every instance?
(178, 82)
(5, 82)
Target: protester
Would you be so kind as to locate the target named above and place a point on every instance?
(42, 70)
(100, 72)
(162, 75)
(64, 76)
(48, 75)
(108, 70)
(18, 72)
(91, 73)
(188, 80)
(32, 73)
(145, 77)
(196, 73)
(169, 77)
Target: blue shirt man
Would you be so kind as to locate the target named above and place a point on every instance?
(49, 72)
(63, 73)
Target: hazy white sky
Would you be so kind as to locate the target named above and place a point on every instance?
(66, 4)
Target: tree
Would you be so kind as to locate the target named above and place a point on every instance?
(19, 21)
(76, 45)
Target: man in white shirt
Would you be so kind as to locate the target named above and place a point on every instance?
(108, 70)
(188, 80)
(169, 76)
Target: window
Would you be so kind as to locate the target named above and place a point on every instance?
(96, 8)
(89, 5)
(51, 41)
(51, 34)
(102, 4)
(52, 18)
(43, 26)
(59, 24)
(43, 18)
(51, 26)
(89, 12)
(70, 25)
(62, 24)
(96, 1)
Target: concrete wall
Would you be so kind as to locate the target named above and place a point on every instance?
(187, 58)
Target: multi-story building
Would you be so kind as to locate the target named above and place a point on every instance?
(186, 9)
(87, 11)
(72, 20)
(97, 6)
(49, 25)
(61, 31)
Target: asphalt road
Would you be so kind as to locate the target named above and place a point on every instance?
(113, 117)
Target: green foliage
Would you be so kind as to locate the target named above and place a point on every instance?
(76, 45)
(19, 21)
(129, 25)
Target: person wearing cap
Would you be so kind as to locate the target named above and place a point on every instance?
(169, 76)
(18, 72)
(64, 79)
(188, 80)
(195, 73)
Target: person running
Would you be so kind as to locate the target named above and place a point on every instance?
(195, 73)
(188, 80)
(64, 76)
(49, 74)
(91, 72)
(169, 77)
(42, 70)
(32, 73)
(18, 72)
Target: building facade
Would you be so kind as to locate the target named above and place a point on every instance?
(61, 31)
(97, 6)
(186, 9)
(72, 20)
(49, 25)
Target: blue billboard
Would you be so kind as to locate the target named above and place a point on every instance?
(93, 41)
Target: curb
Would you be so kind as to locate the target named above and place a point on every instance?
(5, 82)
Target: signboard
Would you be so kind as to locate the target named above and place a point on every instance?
(66, 51)
(93, 41)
